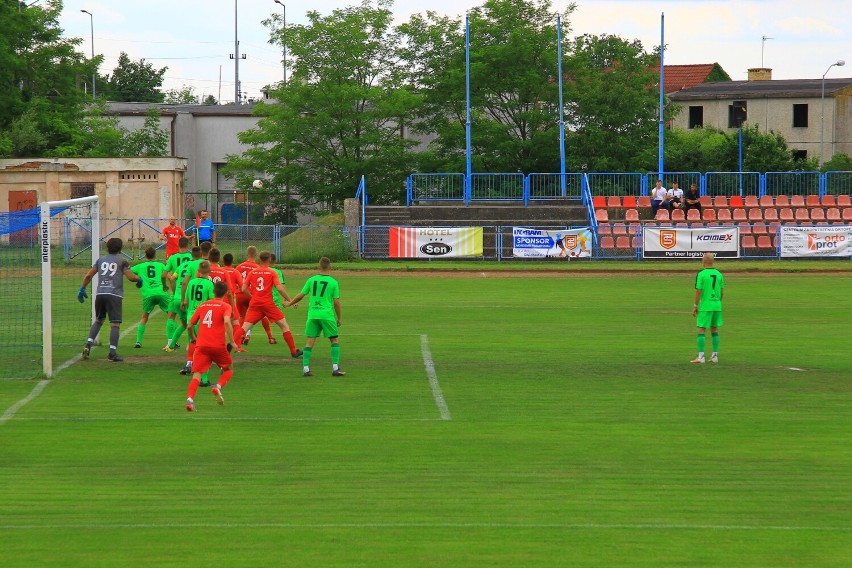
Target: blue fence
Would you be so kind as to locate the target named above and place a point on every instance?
(543, 187)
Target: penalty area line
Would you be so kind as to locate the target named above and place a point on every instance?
(433, 378)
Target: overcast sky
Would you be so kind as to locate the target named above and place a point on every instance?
(194, 38)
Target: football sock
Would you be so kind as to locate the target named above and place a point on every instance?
(190, 351)
(113, 338)
(170, 328)
(701, 342)
(193, 388)
(306, 357)
(335, 355)
(288, 337)
(94, 331)
(179, 329)
(266, 328)
(226, 376)
(140, 331)
(205, 377)
(714, 337)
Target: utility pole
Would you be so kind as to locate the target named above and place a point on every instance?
(236, 57)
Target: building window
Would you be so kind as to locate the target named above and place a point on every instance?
(696, 117)
(800, 155)
(800, 116)
(137, 176)
(737, 114)
(82, 190)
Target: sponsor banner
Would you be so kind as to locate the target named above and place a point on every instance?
(671, 242)
(540, 243)
(428, 242)
(816, 241)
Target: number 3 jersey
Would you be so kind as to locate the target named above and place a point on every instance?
(111, 274)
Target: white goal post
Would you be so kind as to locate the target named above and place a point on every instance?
(46, 241)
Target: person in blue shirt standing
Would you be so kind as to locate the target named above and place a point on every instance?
(206, 229)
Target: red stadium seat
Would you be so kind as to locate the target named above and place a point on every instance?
(607, 243)
(693, 215)
(764, 242)
(759, 229)
(797, 201)
(613, 202)
(844, 201)
(631, 216)
(629, 202)
(802, 214)
(720, 201)
(786, 215)
(847, 214)
(745, 228)
(736, 202)
(677, 215)
(682, 225)
(812, 201)
(622, 242)
(766, 201)
(708, 214)
(774, 227)
(637, 242)
(832, 214)
(662, 214)
(705, 201)
(751, 201)
(755, 214)
(619, 229)
(828, 201)
(602, 216)
(633, 228)
(604, 229)
(599, 201)
(770, 214)
(644, 201)
(748, 242)
(740, 215)
(723, 214)
(817, 214)
(782, 201)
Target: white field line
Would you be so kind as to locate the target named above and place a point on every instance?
(508, 526)
(433, 378)
(10, 413)
(182, 417)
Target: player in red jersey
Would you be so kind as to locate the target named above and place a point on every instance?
(213, 344)
(249, 264)
(219, 274)
(258, 286)
(171, 234)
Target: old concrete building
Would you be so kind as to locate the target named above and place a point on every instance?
(814, 126)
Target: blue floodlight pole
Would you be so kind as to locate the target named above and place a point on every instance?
(662, 142)
(561, 105)
(467, 184)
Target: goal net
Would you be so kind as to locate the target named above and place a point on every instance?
(44, 253)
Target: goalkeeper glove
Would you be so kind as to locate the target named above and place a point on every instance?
(81, 295)
(139, 283)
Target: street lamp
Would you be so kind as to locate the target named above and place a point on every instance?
(92, 26)
(283, 37)
(838, 63)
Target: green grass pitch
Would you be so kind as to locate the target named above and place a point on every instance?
(484, 421)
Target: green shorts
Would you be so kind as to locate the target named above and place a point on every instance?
(174, 305)
(709, 319)
(150, 302)
(313, 328)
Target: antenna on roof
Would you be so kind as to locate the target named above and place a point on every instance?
(762, 44)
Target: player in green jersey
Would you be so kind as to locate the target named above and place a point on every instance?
(173, 268)
(199, 289)
(154, 293)
(323, 315)
(707, 308)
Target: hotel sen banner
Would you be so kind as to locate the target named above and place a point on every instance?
(661, 242)
(431, 242)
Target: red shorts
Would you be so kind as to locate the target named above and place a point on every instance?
(242, 303)
(256, 313)
(205, 356)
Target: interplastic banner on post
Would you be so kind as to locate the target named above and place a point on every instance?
(428, 242)
(816, 241)
(541, 243)
(671, 242)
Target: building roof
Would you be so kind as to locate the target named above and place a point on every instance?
(679, 77)
(789, 88)
(130, 109)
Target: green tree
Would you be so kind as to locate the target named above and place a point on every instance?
(183, 96)
(41, 98)
(838, 163)
(148, 141)
(210, 100)
(336, 119)
(136, 81)
(514, 93)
